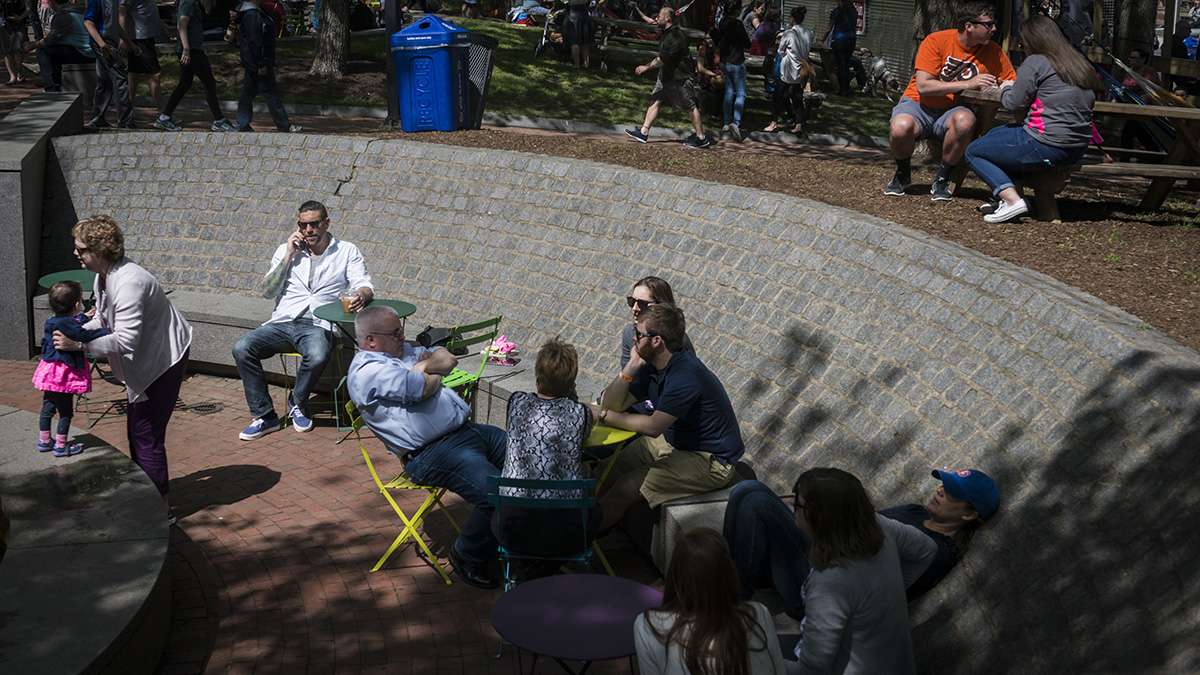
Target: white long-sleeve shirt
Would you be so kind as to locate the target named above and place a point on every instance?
(856, 614)
(317, 280)
(148, 334)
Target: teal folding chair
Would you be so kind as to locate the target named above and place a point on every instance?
(582, 505)
(466, 336)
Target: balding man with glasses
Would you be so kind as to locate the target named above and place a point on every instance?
(310, 269)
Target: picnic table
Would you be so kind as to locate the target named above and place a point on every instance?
(1181, 162)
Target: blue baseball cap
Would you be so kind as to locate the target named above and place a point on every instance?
(974, 487)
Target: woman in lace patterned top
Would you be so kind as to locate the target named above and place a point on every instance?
(546, 431)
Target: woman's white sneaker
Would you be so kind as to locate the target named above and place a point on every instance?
(1006, 212)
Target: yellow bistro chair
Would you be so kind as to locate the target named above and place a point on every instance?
(411, 533)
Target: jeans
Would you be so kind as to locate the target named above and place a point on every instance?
(461, 462)
(260, 82)
(1011, 150)
(735, 92)
(112, 78)
(63, 404)
(200, 67)
(50, 62)
(842, 51)
(300, 335)
(768, 547)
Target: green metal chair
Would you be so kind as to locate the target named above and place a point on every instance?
(585, 550)
(464, 383)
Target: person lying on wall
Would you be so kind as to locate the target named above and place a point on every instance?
(771, 551)
(690, 438)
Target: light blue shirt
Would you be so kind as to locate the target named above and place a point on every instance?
(388, 394)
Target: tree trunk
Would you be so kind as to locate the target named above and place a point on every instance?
(1135, 24)
(333, 40)
(934, 15)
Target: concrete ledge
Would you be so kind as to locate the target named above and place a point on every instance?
(84, 587)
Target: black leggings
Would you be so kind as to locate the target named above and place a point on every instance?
(63, 404)
(200, 67)
(787, 103)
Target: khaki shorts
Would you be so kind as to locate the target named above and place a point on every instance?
(671, 473)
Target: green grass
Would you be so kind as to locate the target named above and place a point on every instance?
(523, 85)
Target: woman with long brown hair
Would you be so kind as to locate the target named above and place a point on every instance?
(702, 628)
(646, 292)
(1058, 86)
(855, 611)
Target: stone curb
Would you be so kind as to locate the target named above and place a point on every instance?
(554, 124)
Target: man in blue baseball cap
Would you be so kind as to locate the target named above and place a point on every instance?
(769, 550)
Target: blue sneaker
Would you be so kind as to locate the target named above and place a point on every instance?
(299, 419)
(72, 448)
(261, 426)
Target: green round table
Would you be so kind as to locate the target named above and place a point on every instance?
(86, 279)
(333, 313)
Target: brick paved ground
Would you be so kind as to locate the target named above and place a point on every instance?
(270, 560)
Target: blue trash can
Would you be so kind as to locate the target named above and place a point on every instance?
(431, 74)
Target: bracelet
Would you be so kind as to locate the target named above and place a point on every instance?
(624, 377)
(603, 415)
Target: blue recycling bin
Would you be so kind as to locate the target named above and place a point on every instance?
(431, 74)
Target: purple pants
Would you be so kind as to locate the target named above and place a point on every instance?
(147, 424)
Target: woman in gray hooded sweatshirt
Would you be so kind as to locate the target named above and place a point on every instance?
(1058, 86)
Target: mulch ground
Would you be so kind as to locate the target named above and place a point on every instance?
(1145, 263)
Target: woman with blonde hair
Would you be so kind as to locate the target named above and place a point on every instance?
(148, 345)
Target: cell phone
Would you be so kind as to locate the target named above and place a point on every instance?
(302, 245)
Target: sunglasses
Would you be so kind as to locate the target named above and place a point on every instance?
(638, 335)
(642, 305)
(989, 24)
(311, 224)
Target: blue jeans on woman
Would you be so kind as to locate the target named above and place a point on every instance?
(735, 92)
(768, 548)
(461, 462)
(1010, 149)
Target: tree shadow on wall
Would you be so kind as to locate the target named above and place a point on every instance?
(1087, 568)
(1093, 570)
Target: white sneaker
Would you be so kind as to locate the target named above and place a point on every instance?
(1006, 212)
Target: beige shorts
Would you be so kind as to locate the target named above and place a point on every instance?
(671, 473)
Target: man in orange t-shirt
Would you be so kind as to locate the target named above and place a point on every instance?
(948, 62)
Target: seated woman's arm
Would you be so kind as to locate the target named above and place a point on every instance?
(826, 616)
(1022, 92)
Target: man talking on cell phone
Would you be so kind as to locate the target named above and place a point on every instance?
(310, 269)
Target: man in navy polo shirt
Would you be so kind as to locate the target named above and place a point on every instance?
(700, 440)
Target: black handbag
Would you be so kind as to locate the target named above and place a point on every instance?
(439, 337)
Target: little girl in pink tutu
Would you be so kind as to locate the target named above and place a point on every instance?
(62, 375)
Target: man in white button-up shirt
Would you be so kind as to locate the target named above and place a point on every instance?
(310, 269)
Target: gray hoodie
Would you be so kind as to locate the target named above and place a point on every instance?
(1060, 114)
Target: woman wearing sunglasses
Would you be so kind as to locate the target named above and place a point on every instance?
(646, 292)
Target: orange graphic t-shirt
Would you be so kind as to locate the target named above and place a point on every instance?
(941, 55)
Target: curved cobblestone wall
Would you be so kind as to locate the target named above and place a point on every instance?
(842, 339)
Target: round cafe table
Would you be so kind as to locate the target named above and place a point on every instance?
(573, 617)
(606, 442)
(333, 313)
(85, 278)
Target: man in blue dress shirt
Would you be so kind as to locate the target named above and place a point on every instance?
(398, 389)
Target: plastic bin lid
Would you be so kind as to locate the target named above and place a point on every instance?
(429, 31)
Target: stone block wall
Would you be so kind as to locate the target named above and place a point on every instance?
(842, 339)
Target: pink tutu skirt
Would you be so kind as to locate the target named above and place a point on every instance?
(62, 377)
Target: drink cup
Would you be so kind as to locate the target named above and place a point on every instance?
(347, 300)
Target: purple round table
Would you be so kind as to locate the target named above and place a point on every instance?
(573, 617)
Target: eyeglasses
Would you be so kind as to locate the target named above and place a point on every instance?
(800, 506)
(638, 335)
(81, 251)
(991, 25)
(313, 224)
(398, 334)
(642, 305)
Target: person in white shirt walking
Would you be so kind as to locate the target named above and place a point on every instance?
(310, 269)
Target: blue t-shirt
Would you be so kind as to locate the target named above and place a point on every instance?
(947, 550)
(688, 390)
